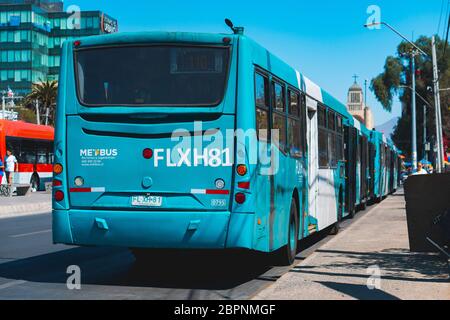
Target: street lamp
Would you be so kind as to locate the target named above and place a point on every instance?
(425, 106)
(414, 52)
(421, 98)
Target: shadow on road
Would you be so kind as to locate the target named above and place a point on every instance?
(396, 264)
(359, 292)
(112, 266)
(203, 270)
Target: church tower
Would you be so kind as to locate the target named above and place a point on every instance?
(356, 105)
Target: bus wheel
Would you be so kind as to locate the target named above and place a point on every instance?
(364, 205)
(34, 183)
(352, 213)
(286, 256)
(335, 229)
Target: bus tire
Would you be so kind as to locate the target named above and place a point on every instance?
(286, 255)
(335, 228)
(34, 182)
(352, 213)
(364, 205)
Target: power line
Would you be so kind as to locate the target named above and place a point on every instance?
(446, 18)
(446, 39)
(440, 16)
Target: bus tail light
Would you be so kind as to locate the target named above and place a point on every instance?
(147, 153)
(240, 198)
(58, 168)
(57, 183)
(59, 196)
(244, 185)
(241, 170)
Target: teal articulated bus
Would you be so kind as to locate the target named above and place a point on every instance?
(194, 141)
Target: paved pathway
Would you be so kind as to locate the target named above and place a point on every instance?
(38, 202)
(375, 244)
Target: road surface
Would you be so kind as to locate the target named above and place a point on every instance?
(31, 267)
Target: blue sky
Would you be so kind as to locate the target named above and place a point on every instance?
(325, 40)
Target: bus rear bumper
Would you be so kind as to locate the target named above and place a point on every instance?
(141, 229)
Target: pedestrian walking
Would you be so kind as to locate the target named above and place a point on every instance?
(420, 170)
(11, 166)
(2, 171)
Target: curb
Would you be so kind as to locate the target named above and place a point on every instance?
(10, 211)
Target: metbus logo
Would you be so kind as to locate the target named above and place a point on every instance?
(99, 152)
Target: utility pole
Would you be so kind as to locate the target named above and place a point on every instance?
(3, 108)
(437, 103)
(365, 93)
(38, 120)
(47, 111)
(413, 112)
(425, 132)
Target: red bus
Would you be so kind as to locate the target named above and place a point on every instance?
(33, 147)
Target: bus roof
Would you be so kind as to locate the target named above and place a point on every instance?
(155, 37)
(292, 76)
(25, 130)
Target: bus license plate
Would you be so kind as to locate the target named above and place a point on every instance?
(146, 201)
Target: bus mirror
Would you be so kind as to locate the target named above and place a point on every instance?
(229, 24)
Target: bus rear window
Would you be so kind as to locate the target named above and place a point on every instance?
(152, 75)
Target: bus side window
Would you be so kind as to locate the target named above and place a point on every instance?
(44, 152)
(262, 100)
(50, 153)
(332, 142)
(323, 137)
(279, 115)
(339, 139)
(303, 114)
(28, 151)
(15, 145)
(294, 125)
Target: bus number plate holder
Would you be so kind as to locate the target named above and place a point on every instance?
(146, 201)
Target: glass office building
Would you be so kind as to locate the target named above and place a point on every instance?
(31, 34)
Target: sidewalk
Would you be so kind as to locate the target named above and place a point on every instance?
(377, 242)
(39, 202)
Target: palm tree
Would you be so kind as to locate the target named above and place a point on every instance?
(45, 92)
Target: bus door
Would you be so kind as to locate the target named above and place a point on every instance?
(279, 203)
(350, 168)
(372, 154)
(392, 175)
(313, 157)
(363, 173)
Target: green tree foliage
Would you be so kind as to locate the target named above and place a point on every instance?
(397, 73)
(46, 93)
(27, 115)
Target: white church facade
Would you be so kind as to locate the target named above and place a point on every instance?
(356, 106)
